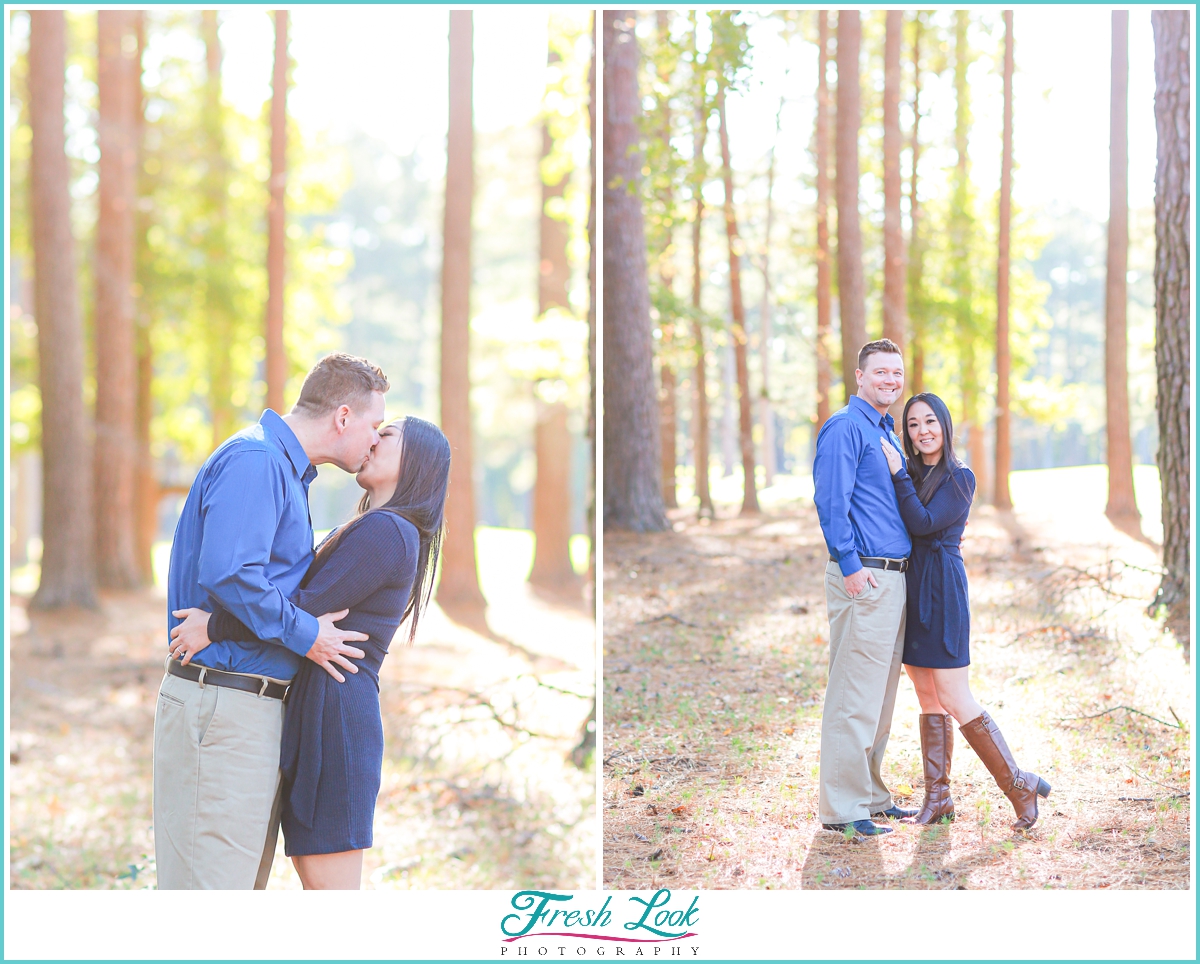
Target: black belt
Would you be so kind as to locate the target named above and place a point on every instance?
(878, 562)
(258, 685)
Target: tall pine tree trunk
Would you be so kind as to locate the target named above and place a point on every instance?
(700, 428)
(1003, 497)
(1122, 507)
(894, 302)
(851, 291)
(217, 279)
(552, 441)
(277, 221)
(1173, 304)
(554, 272)
(666, 325)
(552, 501)
(824, 265)
(962, 231)
(146, 494)
(118, 76)
(916, 246)
(738, 311)
(632, 437)
(766, 415)
(459, 591)
(68, 576)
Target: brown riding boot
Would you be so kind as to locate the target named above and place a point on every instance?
(937, 747)
(1020, 786)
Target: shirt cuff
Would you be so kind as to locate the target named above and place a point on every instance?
(307, 628)
(849, 563)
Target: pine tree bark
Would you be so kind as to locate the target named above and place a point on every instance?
(824, 265)
(1122, 506)
(552, 501)
(632, 437)
(68, 575)
(916, 244)
(894, 302)
(277, 221)
(459, 591)
(1003, 497)
(738, 311)
(118, 76)
(1173, 304)
(146, 493)
(700, 431)
(851, 291)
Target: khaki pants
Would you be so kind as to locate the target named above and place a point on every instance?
(866, 643)
(216, 786)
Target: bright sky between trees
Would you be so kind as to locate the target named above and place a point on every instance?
(382, 69)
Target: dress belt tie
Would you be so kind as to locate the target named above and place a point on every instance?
(940, 559)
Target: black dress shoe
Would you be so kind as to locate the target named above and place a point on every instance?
(896, 813)
(863, 828)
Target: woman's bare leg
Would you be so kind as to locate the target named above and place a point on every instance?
(330, 871)
(927, 693)
(953, 691)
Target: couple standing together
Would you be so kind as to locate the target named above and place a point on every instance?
(269, 712)
(896, 591)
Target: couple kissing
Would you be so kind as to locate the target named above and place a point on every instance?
(269, 709)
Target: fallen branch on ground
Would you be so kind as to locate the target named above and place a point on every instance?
(1165, 786)
(1129, 709)
(659, 619)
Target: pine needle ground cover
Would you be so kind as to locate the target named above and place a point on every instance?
(478, 788)
(715, 659)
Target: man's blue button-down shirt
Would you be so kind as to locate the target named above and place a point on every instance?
(244, 541)
(855, 497)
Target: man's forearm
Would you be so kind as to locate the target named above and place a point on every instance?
(266, 612)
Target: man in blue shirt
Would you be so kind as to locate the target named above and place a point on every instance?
(864, 592)
(244, 541)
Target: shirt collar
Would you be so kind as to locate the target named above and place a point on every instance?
(278, 429)
(884, 420)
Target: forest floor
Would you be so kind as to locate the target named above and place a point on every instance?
(715, 659)
(479, 790)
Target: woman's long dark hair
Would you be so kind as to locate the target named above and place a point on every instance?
(928, 484)
(420, 497)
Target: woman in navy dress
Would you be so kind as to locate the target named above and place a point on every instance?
(376, 570)
(934, 491)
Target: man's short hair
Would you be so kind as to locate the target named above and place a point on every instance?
(885, 346)
(339, 379)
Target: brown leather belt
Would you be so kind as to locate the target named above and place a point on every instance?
(878, 562)
(258, 685)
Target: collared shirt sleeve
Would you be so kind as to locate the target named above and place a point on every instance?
(834, 470)
(241, 509)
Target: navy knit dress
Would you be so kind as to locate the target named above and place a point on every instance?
(937, 627)
(332, 751)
